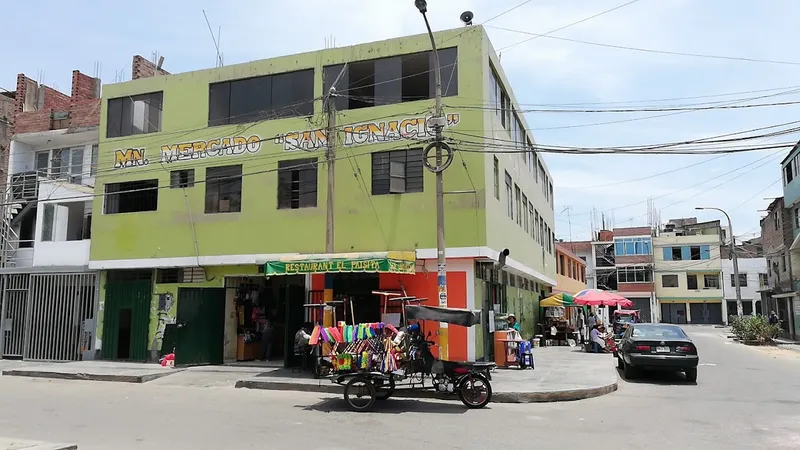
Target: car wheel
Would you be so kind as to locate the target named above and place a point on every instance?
(691, 375)
(628, 371)
(620, 363)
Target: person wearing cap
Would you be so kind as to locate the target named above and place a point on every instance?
(512, 322)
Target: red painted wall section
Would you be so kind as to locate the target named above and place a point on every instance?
(423, 285)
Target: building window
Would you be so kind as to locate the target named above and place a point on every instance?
(634, 274)
(522, 216)
(224, 189)
(632, 246)
(763, 280)
(509, 198)
(276, 96)
(531, 223)
(711, 281)
(550, 187)
(537, 235)
(131, 196)
(48, 217)
(687, 253)
(742, 280)
(797, 217)
(776, 221)
(131, 115)
(691, 281)
(95, 155)
(669, 281)
(788, 174)
(297, 183)
(518, 205)
(397, 172)
(181, 178)
(386, 81)
(496, 178)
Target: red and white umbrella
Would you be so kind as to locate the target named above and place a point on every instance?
(597, 297)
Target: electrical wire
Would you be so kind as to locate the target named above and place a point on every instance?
(569, 25)
(646, 50)
(633, 110)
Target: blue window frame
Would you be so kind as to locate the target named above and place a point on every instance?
(633, 246)
(687, 253)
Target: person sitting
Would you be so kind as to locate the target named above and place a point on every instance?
(512, 323)
(301, 339)
(598, 343)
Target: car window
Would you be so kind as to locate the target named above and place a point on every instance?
(659, 332)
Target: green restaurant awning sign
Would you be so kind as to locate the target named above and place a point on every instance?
(385, 262)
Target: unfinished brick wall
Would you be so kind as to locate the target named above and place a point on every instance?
(143, 68)
(84, 87)
(83, 105)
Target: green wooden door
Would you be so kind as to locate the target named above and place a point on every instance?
(126, 320)
(201, 326)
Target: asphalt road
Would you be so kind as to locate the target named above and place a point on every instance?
(744, 398)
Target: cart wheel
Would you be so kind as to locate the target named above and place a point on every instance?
(475, 391)
(384, 390)
(359, 393)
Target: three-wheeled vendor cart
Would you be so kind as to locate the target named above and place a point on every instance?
(372, 360)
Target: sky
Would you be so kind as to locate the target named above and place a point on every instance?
(542, 71)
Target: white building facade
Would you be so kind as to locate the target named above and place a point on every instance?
(752, 280)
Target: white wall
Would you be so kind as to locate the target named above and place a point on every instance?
(752, 267)
(20, 157)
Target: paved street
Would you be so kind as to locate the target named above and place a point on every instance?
(745, 398)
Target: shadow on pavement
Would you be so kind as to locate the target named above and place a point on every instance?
(658, 377)
(391, 406)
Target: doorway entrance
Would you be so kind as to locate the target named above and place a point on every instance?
(201, 322)
(126, 315)
(673, 313)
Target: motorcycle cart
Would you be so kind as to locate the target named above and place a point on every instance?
(623, 317)
(372, 360)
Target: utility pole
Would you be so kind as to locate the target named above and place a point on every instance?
(442, 163)
(330, 156)
(735, 259)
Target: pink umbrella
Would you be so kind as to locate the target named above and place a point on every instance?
(597, 297)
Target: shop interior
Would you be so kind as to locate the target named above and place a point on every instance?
(264, 313)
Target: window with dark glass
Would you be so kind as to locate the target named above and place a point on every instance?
(297, 183)
(276, 96)
(496, 178)
(509, 197)
(223, 189)
(134, 114)
(397, 172)
(181, 178)
(131, 196)
(396, 79)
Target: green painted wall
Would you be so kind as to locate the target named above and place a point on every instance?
(525, 305)
(363, 223)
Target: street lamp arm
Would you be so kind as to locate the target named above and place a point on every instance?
(734, 259)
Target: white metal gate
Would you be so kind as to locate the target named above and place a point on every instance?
(14, 301)
(57, 312)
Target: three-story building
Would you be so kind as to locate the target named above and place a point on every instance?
(49, 295)
(213, 200)
(688, 275)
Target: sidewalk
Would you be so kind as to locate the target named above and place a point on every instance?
(88, 370)
(560, 374)
(18, 444)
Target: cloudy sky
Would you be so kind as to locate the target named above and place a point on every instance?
(542, 71)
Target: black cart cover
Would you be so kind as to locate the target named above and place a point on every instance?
(463, 317)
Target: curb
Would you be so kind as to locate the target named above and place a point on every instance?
(87, 376)
(497, 397)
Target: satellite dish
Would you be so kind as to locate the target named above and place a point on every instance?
(467, 17)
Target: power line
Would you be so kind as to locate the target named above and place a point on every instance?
(635, 110)
(569, 25)
(647, 50)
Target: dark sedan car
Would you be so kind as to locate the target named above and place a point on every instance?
(652, 346)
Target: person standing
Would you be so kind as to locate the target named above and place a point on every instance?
(581, 325)
(267, 339)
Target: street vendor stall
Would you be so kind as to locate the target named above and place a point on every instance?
(561, 312)
(371, 359)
